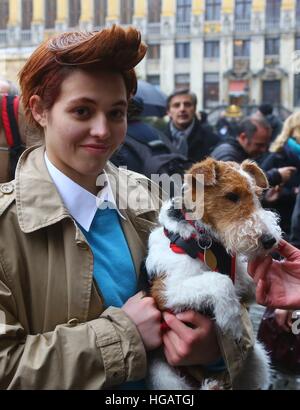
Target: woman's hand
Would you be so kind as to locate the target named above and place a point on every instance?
(147, 318)
(278, 282)
(190, 339)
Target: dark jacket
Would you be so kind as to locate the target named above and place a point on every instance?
(201, 141)
(233, 151)
(295, 224)
(145, 152)
(230, 151)
(287, 197)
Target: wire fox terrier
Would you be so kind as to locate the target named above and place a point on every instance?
(201, 264)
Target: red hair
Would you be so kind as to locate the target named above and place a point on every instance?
(114, 49)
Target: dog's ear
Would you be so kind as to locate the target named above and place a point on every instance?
(256, 172)
(207, 168)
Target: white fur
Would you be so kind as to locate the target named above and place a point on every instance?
(190, 284)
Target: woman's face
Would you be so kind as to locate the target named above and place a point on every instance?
(85, 125)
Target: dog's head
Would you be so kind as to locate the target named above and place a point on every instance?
(232, 209)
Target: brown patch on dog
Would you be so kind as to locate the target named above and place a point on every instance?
(228, 197)
(157, 291)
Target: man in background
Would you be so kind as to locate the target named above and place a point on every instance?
(186, 133)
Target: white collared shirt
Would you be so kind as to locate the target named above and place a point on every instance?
(81, 204)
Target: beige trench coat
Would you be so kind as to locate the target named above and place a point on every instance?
(54, 333)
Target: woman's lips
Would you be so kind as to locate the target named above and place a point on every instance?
(95, 148)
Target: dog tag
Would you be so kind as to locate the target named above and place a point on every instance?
(210, 259)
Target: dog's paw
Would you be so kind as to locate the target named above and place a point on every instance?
(210, 384)
(228, 318)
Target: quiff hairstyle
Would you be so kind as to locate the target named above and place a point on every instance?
(292, 122)
(114, 49)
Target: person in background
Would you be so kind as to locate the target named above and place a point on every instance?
(252, 141)
(266, 111)
(7, 87)
(184, 130)
(227, 124)
(71, 314)
(144, 149)
(15, 133)
(284, 152)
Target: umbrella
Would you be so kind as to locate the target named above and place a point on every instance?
(154, 100)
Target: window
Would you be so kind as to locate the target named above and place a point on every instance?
(297, 90)
(211, 49)
(241, 48)
(297, 43)
(74, 12)
(212, 10)
(182, 50)
(154, 11)
(211, 90)
(4, 13)
(153, 52)
(272, 46)
(273, 11)
(183, 11)
(100, 12)
(154, 80)
(50, 14)
(182, 81)
(242, 9)
(26, 14)
(298, 11)
(127, 11)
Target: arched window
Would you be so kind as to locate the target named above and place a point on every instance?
(126, 11)
(26, 14)
(50, 13)
(100, 12)
(4, 14)
(74, 12)
(154, 11)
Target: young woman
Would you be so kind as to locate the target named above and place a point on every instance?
(70, 312)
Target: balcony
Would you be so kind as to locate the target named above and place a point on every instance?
(242, 26)
(3, 37)
(153, 29)
(26, 37)
(272, 25)
(183, 28)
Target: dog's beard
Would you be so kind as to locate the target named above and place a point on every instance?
(244, 238)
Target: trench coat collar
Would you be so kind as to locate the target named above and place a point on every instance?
(38, 202)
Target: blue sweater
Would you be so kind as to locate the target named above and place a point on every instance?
(114, 271)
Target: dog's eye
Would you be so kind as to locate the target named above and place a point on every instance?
(232, 197)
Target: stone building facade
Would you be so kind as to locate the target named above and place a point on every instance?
(244, 51)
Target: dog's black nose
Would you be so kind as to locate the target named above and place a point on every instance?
(268, 241)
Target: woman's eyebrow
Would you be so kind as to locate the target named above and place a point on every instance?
(92, 101)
